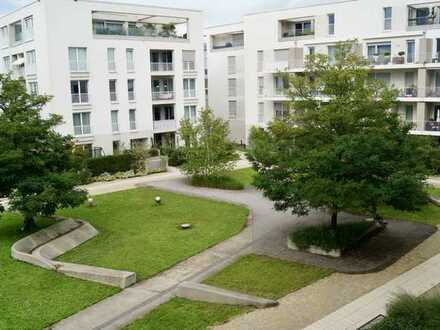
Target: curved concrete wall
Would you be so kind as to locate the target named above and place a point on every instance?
(42, 247)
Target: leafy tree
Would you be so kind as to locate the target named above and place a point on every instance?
(38, 168)
(341, 147)
(207, 150)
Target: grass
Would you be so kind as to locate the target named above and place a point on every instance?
(408, 312)
(266, 277)
(32, 297)
(427, 214)
(221, 182)
(136, 235)
(182, 314)
(345, 236)
(434, 192)
(245, 176)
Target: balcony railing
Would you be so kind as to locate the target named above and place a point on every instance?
(432, 126)
(80, 98)
(281, 92)
(189, 93)
(163, 95)
(138, 31)
(379, 60)
(408, 92)
(228, 44)
(189, 66)
(433, 92)
(82, 130)
(298, 33)
(131, 96)
(423, 20)
(164, 125)
(161, 66)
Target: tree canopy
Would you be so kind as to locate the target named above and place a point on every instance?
(340, 146)
(38, 170)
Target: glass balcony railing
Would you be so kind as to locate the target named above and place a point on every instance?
(82, 98)
(161, 66)
(163, 95)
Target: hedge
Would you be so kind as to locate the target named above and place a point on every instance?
(110, 164)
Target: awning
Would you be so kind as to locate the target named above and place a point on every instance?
(18, 62)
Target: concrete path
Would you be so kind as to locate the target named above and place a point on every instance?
(435, 181)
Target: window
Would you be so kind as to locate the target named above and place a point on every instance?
(331, 54)
(111, 59)
(132, 119)
(409, 113)
(260, 86)
(232, 87)
(33, 88)
(281, 110)
(189, 87)
(385, 77)
(115, 121)
(231, 65)
(17, 32)
(116, 147)
(78, 59)
(4, 37)
(281, 58)
(311, 50)
(410, 51)
(190, 113)
(81, 123)
(260, 60)
(28, 28)
(331, 24)
(6, 64)
(130, 59)
(113, 90)
(379, 53)
(169, 112)
(281, 85)
(232, 110)
(387, 14)
(261, 112)
(189, 59)
(79, 90)
(131, 92)
(31, 62)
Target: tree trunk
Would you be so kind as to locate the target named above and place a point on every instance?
(377, 218)
(334, 220)
(28, 224)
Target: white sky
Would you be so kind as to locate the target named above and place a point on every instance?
(217, 12)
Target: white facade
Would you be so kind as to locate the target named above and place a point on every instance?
(400, 38)
(119, 74)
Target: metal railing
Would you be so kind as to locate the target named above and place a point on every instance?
(162, 66)
(163, 95)
(281, 92)
(298, 33)
(82, 98)
(82, 130)
(228, 44)
(408, 92)
(379, 60)
(189, 93)
(189, 66)
(433, 92)
(424, 20)
(164, 125)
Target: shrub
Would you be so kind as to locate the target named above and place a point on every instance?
(110, 164)
(220, 182)
(408, 312)
(176, 156)
(344, 236)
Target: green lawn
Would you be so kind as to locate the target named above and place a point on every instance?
(244, 176)
(136, 235)
(34, 298)
(434, 192)
(182, 314)
(428, 214)
(266, 277)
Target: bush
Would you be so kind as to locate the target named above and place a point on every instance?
(345, 236)
(110, 164)
(408, 312)
(220, 182)
(176, 156)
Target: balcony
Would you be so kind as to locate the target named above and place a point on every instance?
(82, 98)
(422, 15)
(408, 92)
(164, 125)
(161, 66)
(292, 28)
(379, 60)
(163, 95)
(433, 92)
(432, 126)
(227, 40)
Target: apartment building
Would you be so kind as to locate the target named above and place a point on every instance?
(120, 74)
(400, 39)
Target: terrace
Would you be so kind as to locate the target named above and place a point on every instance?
(139, 25)
(292, 28)
(228, 40)
(421, 15)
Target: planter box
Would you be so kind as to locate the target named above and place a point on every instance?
(315, 250)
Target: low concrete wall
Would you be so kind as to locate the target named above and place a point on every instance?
(315, 250)
(211, 294)
(42, 247)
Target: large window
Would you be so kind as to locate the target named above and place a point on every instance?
(113, 90)
(385, 77)
(33, 87)
(78, 59)
(232, 69)
(81, 123)
(260, 86)
(130, 59)
(232, 87)
(331, 54)
(115, 120)
(131, 92)
(189, 60)
(28, 32)
(409, 113)
(379, 53)
(111, 59)
(6, 64)
(388, 18)
(17, 29)
(189, 87)
(4, 37)
(261, 112)
(132, 119)
(80, 91)
(31, 62)
(331, 24)
(260, 60)
(190, 113)
(410, 51)
(232, 110)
